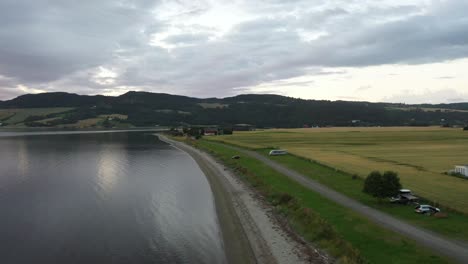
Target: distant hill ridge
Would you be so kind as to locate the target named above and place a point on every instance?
(63, 99)
(263, 110)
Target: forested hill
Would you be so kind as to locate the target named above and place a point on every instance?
(148, 109)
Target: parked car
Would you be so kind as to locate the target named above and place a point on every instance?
(277, 152)
(404, 196)
(426, 209)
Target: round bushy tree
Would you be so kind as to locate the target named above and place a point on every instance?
(382, 186)
(373, 183)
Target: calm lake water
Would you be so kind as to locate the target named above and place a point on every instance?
(103, 198)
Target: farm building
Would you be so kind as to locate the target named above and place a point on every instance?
(462, 169)
(208, 130)
(212, 131)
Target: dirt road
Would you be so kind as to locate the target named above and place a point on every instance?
(453, 249)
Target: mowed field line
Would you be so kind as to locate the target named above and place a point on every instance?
(444, 246)
(419, 155)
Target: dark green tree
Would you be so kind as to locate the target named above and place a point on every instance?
(390, 184)
(373, 184)
(382, 186)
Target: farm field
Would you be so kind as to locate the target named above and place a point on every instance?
(15, 116)
(419, 155)
(95, 122)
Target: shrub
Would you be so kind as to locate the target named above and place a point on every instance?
(286, 198)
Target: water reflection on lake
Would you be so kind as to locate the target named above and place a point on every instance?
(103, 198)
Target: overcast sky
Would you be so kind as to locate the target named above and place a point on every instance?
(399, 51)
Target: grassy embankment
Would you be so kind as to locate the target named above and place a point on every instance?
(344, 234)
(455, 225)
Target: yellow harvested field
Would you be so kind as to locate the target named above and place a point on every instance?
(420, 155)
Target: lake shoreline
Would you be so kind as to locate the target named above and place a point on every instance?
(250, 231)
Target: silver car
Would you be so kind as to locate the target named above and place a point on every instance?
(426, 209)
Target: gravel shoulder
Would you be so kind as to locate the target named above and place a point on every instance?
(251, 232)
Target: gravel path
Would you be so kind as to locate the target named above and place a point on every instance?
(251, 233)
(453, 249)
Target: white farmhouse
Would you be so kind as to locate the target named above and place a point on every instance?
(462, 169)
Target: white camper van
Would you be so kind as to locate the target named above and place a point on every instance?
(277, 152)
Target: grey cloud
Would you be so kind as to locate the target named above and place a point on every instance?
(7, 82)
(293, 83)
(9, 88)
(418, 39)
(43, 41)
(8, 93)
(428, 96)
(187, 38)
(330, 72)
(261, 50)
(56, 45)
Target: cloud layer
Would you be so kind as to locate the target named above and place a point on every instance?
(215, 48)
